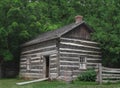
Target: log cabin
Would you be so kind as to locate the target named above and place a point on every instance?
(56, 53)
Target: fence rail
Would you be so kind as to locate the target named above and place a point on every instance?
(106, 74)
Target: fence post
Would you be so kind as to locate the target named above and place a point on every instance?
(100, 73)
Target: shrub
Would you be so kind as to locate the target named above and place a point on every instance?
(88, 75)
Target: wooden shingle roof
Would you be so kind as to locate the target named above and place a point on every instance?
(55, 33)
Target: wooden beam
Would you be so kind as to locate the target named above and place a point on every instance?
(84, 51)
(43, 53)
(84, 41)
(80, 54)
(46, 47)
(80, 45)
(33, 81)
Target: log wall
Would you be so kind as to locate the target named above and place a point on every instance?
(36, 54)
(70, 50)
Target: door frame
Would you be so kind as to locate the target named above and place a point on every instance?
(45, 66)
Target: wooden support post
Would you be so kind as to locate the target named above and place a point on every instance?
(99, 73)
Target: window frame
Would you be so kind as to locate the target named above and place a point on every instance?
(83, 62)
(28, 64)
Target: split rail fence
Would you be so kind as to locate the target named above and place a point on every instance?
(105, 74)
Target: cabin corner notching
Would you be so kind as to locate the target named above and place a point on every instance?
(56, 53)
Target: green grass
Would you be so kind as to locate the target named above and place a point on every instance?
(11, 83)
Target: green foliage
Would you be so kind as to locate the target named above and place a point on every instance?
(88, 75)
(21, 20)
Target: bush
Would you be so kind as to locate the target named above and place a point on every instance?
(89, 75)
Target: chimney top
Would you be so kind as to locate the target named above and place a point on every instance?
(78, 19)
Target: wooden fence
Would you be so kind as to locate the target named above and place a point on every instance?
(105, 74)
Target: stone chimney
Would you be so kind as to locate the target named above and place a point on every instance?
(78, 19)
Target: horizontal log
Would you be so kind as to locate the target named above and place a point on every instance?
(46, 47)
(54, 74)
(31, 71)
(53, 68)
(36, 70)
(69, 73)
(69, 65)
(94, 61)
(113, 69)
(53, 71)
(23, 62)
(36, 67)
(110, 75)
(91, 65)
(79, 45)
(79, 40)
(73, 62)
(53, 55)
(35, 58)
(110, 71)
(33, 77)
(43, 53)
(36, 61)
(70, 70)
(79, 50)
(40, 45)
(88, 63)
(23, 65)
(42, 50)
(64, 78)
(68, 57)
(53, 65)
(52, 59)
(80, 54)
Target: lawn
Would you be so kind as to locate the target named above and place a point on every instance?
(11, 83)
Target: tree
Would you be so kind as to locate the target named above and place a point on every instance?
(22, 20)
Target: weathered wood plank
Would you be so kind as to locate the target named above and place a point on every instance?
(93, 59)
(110, 71)
(73, 62)
(79, 40)
(79, 45)
(43, 53)
(113, 69)
(111, 75)
(41, 50)
(80, 54)
(79, 50)
(67, 66)
(40, 45)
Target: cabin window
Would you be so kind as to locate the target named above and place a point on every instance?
(82, 62)
(28, 64)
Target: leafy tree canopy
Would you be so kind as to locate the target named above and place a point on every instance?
(21, 20)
